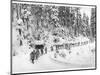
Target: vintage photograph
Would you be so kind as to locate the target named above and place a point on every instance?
(50, 37)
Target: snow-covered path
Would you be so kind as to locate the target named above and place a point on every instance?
(21, 64)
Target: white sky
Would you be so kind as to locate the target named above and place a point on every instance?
(86, 10)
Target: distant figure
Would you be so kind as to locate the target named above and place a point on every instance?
(32, 56)
(21, 42)
(46, 50)
(51, 48)
(42, 51)
(37, 54)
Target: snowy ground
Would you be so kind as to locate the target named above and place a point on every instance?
(81, 55)
(85, 59)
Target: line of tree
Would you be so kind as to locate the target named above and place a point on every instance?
(50, 17)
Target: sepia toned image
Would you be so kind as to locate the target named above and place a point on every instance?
(51, 37)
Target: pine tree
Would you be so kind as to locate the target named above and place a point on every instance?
(93, 22)
(77, 21)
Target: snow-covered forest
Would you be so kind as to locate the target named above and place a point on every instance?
(51, 37)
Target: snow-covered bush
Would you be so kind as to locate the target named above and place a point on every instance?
(62, 55)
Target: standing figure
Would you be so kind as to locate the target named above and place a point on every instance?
(51, 48)
(32, 56)
(37, 54)
(42, 51)
(45, 50)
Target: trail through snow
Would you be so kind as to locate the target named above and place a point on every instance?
(22, 64)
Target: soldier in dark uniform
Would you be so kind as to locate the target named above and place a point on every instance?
(37, 54)
(45, 50)
(32, 56)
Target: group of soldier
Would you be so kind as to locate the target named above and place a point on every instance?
(37, 52)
